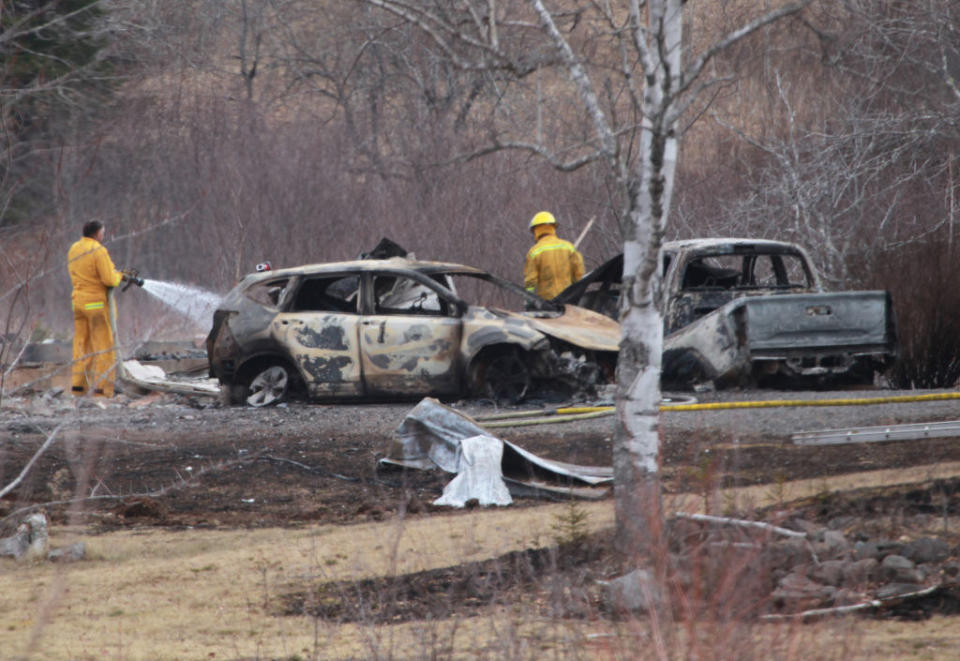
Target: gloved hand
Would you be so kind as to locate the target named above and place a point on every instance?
(131, 277)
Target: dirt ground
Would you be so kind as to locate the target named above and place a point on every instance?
(165, 462)
(172, 460)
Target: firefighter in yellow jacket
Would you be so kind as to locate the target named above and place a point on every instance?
(552, 264)
(92, 273)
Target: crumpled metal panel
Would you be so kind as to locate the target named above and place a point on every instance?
(581, 327)
(430, 436)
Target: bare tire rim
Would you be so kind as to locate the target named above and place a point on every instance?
(506, 378)
(269, 387)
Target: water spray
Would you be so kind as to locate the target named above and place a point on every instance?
(193, 302)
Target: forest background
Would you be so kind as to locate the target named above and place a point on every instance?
(209, 135)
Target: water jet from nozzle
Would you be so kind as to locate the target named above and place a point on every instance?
(193, 302)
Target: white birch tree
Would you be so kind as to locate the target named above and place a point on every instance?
(619, 66)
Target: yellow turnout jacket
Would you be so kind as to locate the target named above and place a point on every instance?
(91, 272)
(552, 264)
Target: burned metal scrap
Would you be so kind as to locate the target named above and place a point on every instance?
(430, 437)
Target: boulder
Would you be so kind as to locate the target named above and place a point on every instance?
(634, 592)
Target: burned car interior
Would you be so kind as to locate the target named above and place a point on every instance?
(760, 271)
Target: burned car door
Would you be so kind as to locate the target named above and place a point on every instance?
(320, 328)
(409, 343)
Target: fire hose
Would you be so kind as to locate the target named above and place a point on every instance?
(571, 414)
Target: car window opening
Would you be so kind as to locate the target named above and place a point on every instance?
(268, 293)
(327, 295)
(724, 272)
(398, 295)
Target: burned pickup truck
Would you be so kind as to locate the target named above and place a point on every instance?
(754, 312)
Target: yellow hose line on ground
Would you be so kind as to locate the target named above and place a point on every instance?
(539, 413)
(569, 414)
(858, 401)
(554, 419)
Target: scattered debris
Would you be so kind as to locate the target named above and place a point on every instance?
(152, 377)
(431, 436)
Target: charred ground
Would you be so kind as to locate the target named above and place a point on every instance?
(171, 460)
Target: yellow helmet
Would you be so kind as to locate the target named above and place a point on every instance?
(543, 218)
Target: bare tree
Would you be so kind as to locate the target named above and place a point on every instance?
(619, 85)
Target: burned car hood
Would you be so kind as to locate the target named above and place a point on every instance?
(578, 326)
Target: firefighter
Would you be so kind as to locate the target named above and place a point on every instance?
(92, 274)
(552, 264)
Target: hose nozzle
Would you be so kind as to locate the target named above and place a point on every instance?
(131, 277)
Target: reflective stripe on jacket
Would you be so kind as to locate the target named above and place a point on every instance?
(552, 265)
(91, 272)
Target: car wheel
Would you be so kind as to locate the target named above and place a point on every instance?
(269, 386)
(506, 377)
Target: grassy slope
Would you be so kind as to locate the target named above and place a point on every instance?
(158, 594)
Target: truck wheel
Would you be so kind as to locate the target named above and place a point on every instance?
(269, 386)
(681, 370)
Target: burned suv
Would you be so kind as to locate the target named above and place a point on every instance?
(398, 328)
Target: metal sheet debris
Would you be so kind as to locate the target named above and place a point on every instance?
(905, 432)
(431, 434)
(151, 377)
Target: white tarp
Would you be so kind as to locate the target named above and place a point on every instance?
(478, 474)
(430, 437)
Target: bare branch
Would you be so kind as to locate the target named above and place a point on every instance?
(26, 469)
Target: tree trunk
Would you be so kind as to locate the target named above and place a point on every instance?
(636, 448)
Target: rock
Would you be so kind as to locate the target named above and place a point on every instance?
(796, 592)
(71, 553)
(16, 545)
(898, 569)
(926, 550)
(836, 542)
(633, 592)
(830, 572)
(786, 554)
(860, 572)
(31, 540)
(866, 550)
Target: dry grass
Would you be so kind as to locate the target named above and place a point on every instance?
(159, 594)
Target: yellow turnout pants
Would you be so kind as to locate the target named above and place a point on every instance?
(93, 352)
